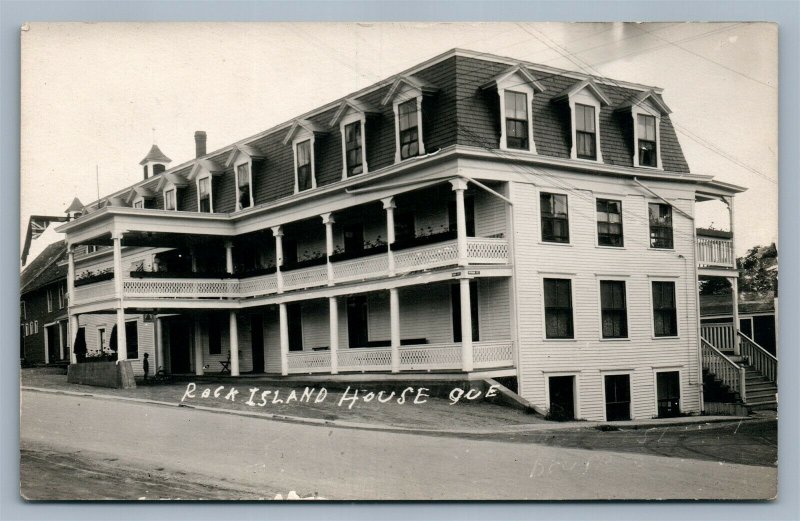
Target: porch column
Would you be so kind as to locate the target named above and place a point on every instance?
(284, 333)
(334, 334)
(394, 326)
(328, 220)
(116, 237)
(72, 329)
(122, 345)
(70, 276)
(228, 257)
(60, 340)
(199, 370)
(459, 187)
(466, 326)
(277, 231)
(46, 345)
(389, 206)
(122, 342)
(159, 361)
(234, 343)
(735, 297)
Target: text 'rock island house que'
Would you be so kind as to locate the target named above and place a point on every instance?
(471, 217)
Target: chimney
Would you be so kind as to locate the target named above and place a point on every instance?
(199, 143)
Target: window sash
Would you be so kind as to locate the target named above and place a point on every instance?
(558, 308)
(609, 223)
(353, 148)
(555, 217)
(204, 186)
(243, 175)
(304, 166)
(665, 313)
(169, 200)
(613, 306)
(408, 126)
(586, 145)
(660, 217)
(516, 119)
(646, 133)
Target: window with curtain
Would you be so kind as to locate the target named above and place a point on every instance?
(243, 178)
(408, 125)
(665, 313)
(516, 107)
(304, 166)
(555, 217)
(558, 308)
(353, 148)
(609, 223)
(660, 217)
(585, 133)
(204, 189)
(614, 313)
(169, 200)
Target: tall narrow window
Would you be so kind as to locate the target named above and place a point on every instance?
(646, 130)
(660, 216)
(455, 302)
(555, 218)
(609, 223)
(353, 148)
(558, 308)
(357, 321)
(204, 191)
(61, 297)
(516, 120)
(49, 300)
(614, 313)
(409, 129)
(665, 315)
(169, 199)
(243, 177)
(304, 174)
(295, 320)
(585, 133)
(132, 339)
(101, 339)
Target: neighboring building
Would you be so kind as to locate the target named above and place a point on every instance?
(756, 316)
(471, 217)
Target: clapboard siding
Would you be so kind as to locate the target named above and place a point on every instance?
(93, 322)
(490, 214)
(586, 264)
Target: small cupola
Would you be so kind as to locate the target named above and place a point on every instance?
(154, 162)
(75, 209)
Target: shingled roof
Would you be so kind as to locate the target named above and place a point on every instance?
(44, 269)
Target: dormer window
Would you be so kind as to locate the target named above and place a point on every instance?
(204, 194)
(516, 88)
(585, 100)
(351, 118)
(516, 120)
(406, 94)
(646, 134)
(408, 128)
(169, 199)
(585, 132)
(244, 197)
(353, 149)
(305, 166)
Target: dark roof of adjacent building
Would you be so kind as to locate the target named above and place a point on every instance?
(749, 303)
(44, 269)
(708, 232)
(155, 155)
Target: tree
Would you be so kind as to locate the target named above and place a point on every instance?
(758, 270)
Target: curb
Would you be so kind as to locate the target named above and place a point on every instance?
(514, 429)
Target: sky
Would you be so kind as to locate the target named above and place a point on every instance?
(95, 96)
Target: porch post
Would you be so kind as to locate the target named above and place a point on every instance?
(466, 326)
(199, 370)
(234, 343)
(70, 276)
(284, 334)
(735, 294)
(122, 346)
(394, 325)
(122, 341)
(46, 345)
(328, 220)
(60, 340)
(277, 231)
(459, 187)
(389, 206)
(159, 361)
(228, 257)
(73, 333)
(334, 334)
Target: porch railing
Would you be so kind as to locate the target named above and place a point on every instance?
(762, 360)
(365, 359)
(309, 362)
(181, 288)
(305, 278)
(261, 285)
(712, 252)
(93, 292)
(492, 354)
(361, 268)
(724, 369)
(483, 250)
(426, 257)
(720, 336)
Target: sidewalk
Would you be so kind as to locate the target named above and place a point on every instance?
(435, 415)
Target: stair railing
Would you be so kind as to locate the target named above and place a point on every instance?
(724, 369)
(762, 360)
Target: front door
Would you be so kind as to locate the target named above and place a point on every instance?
(180, 345)
(668, 389)
(257, 342)
(52, 344)
(562, 398)
(618, 397)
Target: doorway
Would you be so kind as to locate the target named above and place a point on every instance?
(52, 343)
(562, 398)
(181, 332)
(668, 394)
(618, 397)
(257, 342)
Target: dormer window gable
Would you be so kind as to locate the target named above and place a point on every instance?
(168, 186)
(406, 94)
(303, 135)
(202, 174)
(351, 117)
(240, 159)
(646, 110)
(585, 101)
(140, 197)
(516, 88)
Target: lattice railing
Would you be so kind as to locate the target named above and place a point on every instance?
(364, 359)
(432, 356)
(720, 336)
(305, 278)
(92, 292)
(427, 257)
(482, 250)
(493, 354)
(309, 362)
(261, 285)
(724, 369)
(715, 252)
(182, 288)
(362, 268)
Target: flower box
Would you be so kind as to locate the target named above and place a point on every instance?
(92, 279)
(413, 242)
(366, 252)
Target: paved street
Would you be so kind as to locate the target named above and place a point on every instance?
(259, 458)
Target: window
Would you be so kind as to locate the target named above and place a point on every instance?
(158, 168)
(243, 180)
(613, 309)
(455, 300)
(132, 339)
(609, 223)
(353, 148)
(101, 339)
(558, 308)
(204, 194)
(408, 126)
(646, 131)
(357, 321)
(27, 330)
(169, 200)
(138, 204)
(585, 133)
(555, 222)
(145, 171)
(49, 301)
(214, 336)
(665, 315)
(304, 172)
(660, 216)
(61, 297)
(516, 107)
(295, 320)
(23, 311)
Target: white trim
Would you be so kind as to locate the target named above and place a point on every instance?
(669, 369)
(558, 276)
(646, 109)
(353, 117)
(614, 372)
(610, 278)
(512, 83)
(407, 94)
(576, 387)
(674, 281)
(302, 137)
(580, 98)
(620, 199)
(249, 163)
